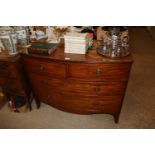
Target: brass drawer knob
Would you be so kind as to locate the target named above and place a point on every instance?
(98, 72)
(97, 88)
(48, 97)
(95, 104)
(42, 67)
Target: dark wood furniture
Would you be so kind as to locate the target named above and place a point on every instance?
(13, 79)
(83, 84)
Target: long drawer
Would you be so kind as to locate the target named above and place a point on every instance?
(91, 89)
(83, 104)
(99, 72)
(53, 68)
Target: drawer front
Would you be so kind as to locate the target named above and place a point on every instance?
(85, 105)
(54, 69)
(94, 89)
(8, 69)
(36, 79)
(99, 72)
(90, 89)
(13, 86)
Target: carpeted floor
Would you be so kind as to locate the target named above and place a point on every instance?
(138, 110)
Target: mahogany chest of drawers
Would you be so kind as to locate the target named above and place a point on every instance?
(83, 84)
(12, 78)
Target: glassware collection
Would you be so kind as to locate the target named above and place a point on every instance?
(115, 43)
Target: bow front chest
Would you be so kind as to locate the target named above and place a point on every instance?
(83, 84)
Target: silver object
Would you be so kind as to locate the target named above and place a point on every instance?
(114, 44)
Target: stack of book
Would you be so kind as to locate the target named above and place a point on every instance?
(78, 43)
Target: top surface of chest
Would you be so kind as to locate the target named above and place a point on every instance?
(90, 57)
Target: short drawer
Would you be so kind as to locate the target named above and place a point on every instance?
(36, 79)
(99, 72)
(54, 69)
(8, 69)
